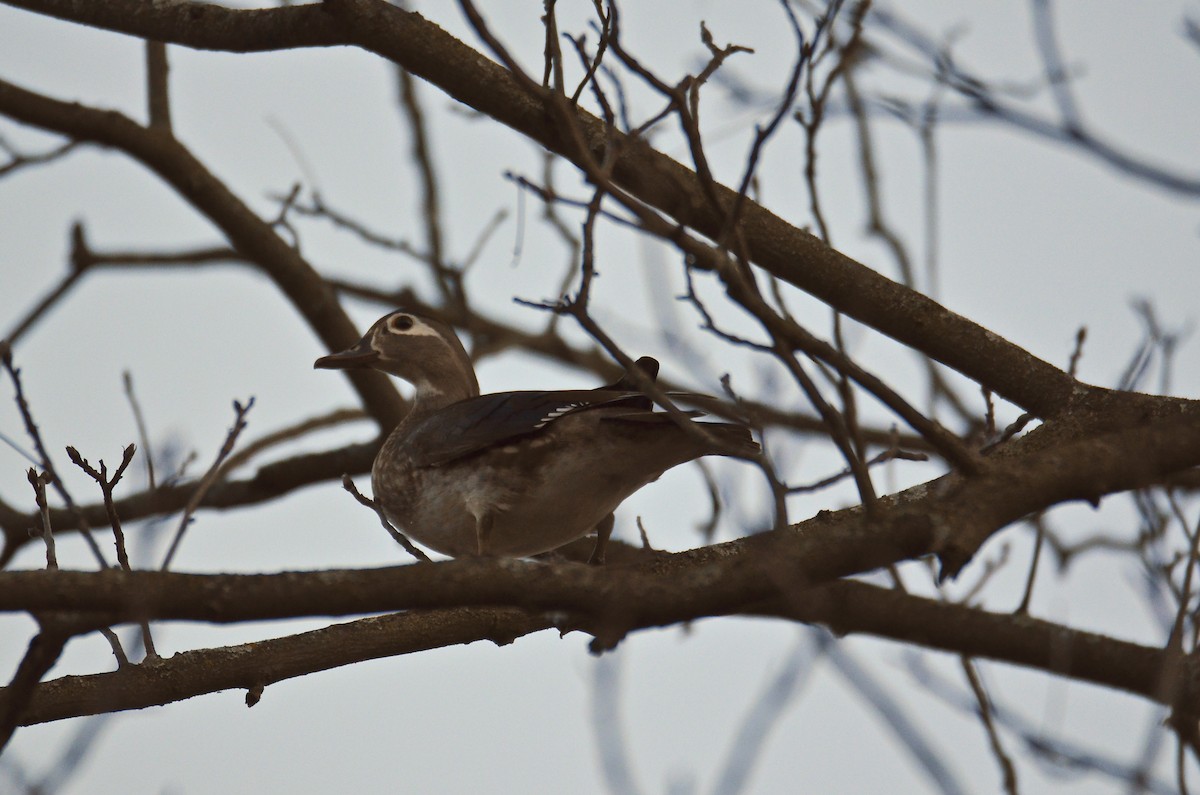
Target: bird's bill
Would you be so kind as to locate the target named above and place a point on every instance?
(361, 355)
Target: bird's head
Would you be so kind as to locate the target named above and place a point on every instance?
(423, 351)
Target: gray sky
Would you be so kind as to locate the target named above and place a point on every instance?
(1036, 240)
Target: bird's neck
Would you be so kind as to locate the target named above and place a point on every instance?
(431, 398)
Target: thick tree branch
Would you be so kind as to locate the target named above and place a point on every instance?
(254, 666)
(845, 607)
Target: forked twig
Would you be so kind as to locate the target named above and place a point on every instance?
(106, 488)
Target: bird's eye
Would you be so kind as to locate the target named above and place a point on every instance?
(400, 324)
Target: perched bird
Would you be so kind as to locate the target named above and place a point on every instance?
(514, 473)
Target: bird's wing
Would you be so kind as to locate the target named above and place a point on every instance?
(478, 423)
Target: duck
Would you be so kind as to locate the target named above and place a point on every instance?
(516, 474)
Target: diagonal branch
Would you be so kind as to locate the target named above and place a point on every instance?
(466, 75)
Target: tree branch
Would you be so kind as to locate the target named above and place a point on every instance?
(845, 607)
(254, 666)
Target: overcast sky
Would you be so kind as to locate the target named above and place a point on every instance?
(1036, 240)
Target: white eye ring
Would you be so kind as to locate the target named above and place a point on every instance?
(400, 324)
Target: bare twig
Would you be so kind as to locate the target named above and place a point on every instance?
(397, 536)
(482, 239)
(894, 454)
(83, 259)
(39, 490)
(284, 435)
(1181, 765)
(46, 463)
(1175, 643)
(607, 722)
(1057, 753)
(550, 214)
(1057, 75)
(645, 537)
(789, 335)
(763, 134)
(990, 568)
(140, 422)
(778, 693)
(210, 477)
(106, 487)
(818, 98)
(281, 221)
(1011, 430)
(114, 643)
(881, 228)
(1077, 352)
(907, 732)
(1039, 522)
(984, 711)
(158, 97)
(708, 528)
(18, 160)
(984, 100)
(43, 306)
(448, 279)
(320, 208)
(989, 416)
(591, 65)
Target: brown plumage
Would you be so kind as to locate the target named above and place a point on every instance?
(514, 473)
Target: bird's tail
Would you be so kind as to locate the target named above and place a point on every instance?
(735, 440)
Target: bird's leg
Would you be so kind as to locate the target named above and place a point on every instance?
(604, 530)
(483, 532)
